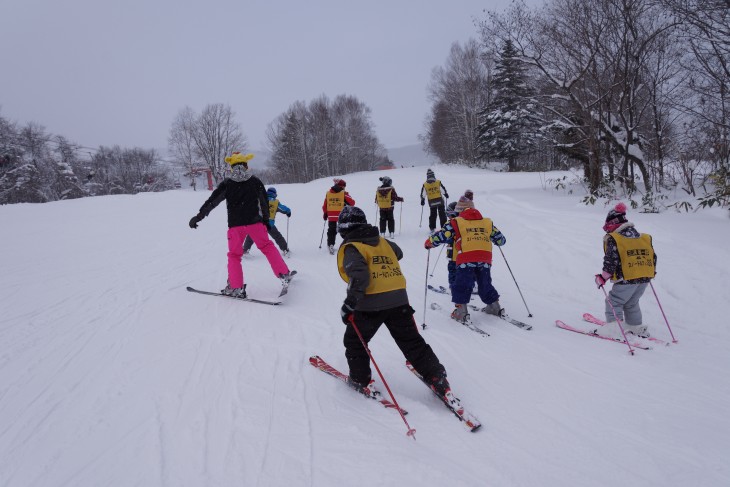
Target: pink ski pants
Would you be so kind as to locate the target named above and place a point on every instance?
(260, 237)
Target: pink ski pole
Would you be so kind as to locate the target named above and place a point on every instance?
(674, 340)
(411, 431)
(631, 350)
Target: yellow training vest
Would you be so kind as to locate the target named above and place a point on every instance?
(384, 200)
(273, 206)
(385, 273)
(433, 190)
(475, 236)
(335, 201)
(636, 256)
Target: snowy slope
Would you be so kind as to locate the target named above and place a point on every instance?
(112, 374)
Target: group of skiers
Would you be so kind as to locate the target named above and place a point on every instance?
(376, 291)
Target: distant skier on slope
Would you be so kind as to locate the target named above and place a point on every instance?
(431, 191)
(246, 203)
(334, 201)
(629, 262)
(472, 236)
(376, 295)
(275, 206)
(385, 197)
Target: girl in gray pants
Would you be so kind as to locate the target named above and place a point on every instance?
(629, 262)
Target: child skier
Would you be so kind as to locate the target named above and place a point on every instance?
(432, 190)
(245, 199)
(450, 258)
(275, 206)
(376, 295)
(334, 201)
(472, 236)
(385, 197)
(629, 261)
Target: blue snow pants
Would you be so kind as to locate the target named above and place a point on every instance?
(464, 283)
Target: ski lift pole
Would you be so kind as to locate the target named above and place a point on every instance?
(411, 431)
(515, 280)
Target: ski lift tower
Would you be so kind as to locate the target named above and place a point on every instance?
(208, 173)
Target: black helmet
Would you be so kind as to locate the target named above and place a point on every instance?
(350, 218)
(451, 210)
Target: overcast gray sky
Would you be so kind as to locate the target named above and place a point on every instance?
(105, 72)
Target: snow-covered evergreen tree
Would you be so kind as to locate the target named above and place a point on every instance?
(509, 124)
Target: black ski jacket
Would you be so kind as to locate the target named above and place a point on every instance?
(246, 201)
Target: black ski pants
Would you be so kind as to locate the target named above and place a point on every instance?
(275, 234)
(331, 233)
(387, 218)
(432, 217)
(403, 329)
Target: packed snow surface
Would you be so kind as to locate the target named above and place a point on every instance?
(111, 374)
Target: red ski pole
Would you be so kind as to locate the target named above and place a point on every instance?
(631, 350)
(411, 431)
(674, 340)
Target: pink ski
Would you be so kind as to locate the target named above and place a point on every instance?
(634, 344)
(319, 363)
(596, 321)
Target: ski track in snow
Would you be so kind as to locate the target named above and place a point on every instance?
(112, 374)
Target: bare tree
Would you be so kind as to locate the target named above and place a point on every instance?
(181, 143)
(458, 91)
(596, 57)
(322, 139)
(214, 133)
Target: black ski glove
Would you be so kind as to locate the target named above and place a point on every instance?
(195, 220)
(346, 312)
(423, 201)
(324, 217)
(288, 215)
(446, 194)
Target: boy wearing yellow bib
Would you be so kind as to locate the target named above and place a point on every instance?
(275, 206)
(472, 236)
(334, 201)
(431, 191)
(376, 295)
(385, 198)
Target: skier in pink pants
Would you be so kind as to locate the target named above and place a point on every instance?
(248, 208)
